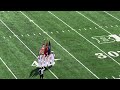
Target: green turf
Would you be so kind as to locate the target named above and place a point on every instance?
(19, 58)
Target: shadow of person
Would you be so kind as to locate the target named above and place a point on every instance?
(34, 72)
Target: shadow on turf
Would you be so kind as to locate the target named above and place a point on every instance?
(34, 72)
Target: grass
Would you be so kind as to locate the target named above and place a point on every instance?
(19, 58)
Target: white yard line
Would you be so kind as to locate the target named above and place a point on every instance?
(104, 30)
(23, 44)
(111, 15)
(93, 22)
(85, 37)
(8, 68)
(61, 46)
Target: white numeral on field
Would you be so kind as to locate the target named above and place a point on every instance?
(34, 64)
(110, 53)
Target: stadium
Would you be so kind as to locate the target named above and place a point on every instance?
(86, 44)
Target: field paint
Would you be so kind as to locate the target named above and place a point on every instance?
(28, 35)
(93, 22)
(10, 36)
(63, 31)
(106, 77)
(51, 32)
(33, 34)
(101, 28)
(24, 44)
(57, 59)
(3, 37)
(40, 33)
(90, 28)
(111, 15)
(95, 27)
(116, 25)
(21, 35)
(113, 77)
(85, 37)
(68, 30)
(8, 68)
(79, 29)
(31, 20)
(111, 25)
(62, 46)
(85, 29)
(106, 26)
(57, 31)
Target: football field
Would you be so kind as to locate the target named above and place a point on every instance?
(86, 42)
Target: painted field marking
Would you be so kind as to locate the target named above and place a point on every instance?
(8, 68)
(39, 33)
(85, 29)
(62, 46)
(68, 30)
(24, 44)
(111, 15)
(111, 25)
(95, 27)
(9, 36)
(93, 22)
(116, 25)
(90, 28)
(21, 35)
(28, 35)
(57, 31)
(57, 59)
(106, 26)
(85, 37)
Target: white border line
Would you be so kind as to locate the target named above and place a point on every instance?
(24, 44)
(93, 22)
(104, 30)
(85, 37)
(111, 15)
(61, 46)
(8, 68)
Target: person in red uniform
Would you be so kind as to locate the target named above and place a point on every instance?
(41, 52)
(46, 50)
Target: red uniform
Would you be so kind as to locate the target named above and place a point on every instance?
(46, 51)
(42, 50)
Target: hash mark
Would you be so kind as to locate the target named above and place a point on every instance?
(95, 27)
(68, 30)
(28, 34)
(10, 36)
(106, 26)
(40, 33)
(116, 25)
(90, 28)
(57, 31)
(111, 25)
(85, 28)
